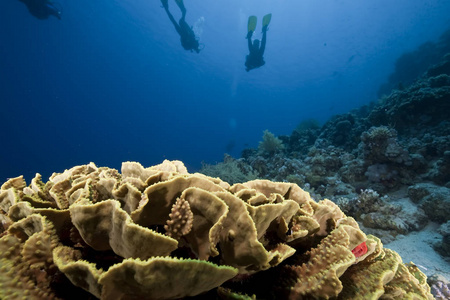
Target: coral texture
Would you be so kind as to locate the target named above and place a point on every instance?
(443, 247)
(440, 287)
(162, 233)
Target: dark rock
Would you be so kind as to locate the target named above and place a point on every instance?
(418, 191)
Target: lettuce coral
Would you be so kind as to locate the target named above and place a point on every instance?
(162, 233)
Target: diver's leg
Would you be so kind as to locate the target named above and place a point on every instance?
(180, 4)
(165, 3)
(172, 19)
(263, 42)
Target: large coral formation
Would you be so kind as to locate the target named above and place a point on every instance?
(162, 233)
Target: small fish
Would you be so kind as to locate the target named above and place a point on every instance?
(360, 250)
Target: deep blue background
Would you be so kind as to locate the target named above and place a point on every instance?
(110, 82)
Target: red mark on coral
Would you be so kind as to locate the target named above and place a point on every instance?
(360, 250)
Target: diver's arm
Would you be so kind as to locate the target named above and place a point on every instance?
(263, 43)
(172, 19)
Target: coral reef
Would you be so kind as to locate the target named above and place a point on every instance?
(379, 145)
(163, 233)
(413, 64)
(433, 199)
(376, 212)
(443, 247)
(230, 170)
(270, 144)
(399, 141)
(302, 137)
(440, 287)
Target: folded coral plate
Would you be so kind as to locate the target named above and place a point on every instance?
(163, 233)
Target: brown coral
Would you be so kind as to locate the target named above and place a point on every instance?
(181, 218)
(162, 233)
(319, 277)
(26, 262)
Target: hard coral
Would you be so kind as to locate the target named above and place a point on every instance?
(162, 233)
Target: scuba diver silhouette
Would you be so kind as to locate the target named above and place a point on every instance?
(42, 9)
(187, 36)
(255, 58)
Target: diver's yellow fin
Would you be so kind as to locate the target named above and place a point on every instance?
(251, 26)
(266, 20)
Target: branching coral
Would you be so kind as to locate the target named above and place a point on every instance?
(441, 290)
(162, 233)
(231, 170)
(270, 144)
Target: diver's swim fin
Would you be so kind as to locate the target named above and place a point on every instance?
(266, 20)
(251, 26)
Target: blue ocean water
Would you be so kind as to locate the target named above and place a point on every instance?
(110, 82)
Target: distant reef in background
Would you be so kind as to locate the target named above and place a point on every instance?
(400, 139)
(413, 64)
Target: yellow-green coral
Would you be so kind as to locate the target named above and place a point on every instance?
(408, 283)
(80, 272)
(26, 262)
(270, 143)
(162, 278)
(157, 199)
(367, 280)
(229, 170)
(105, 226)
(208, 217)
(162, 233)
(319, 277)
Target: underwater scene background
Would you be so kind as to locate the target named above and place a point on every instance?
(352, 105)
(110, 81)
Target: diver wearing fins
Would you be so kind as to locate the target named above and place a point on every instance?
(187, 36)
(42, 9)
(255, 58)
